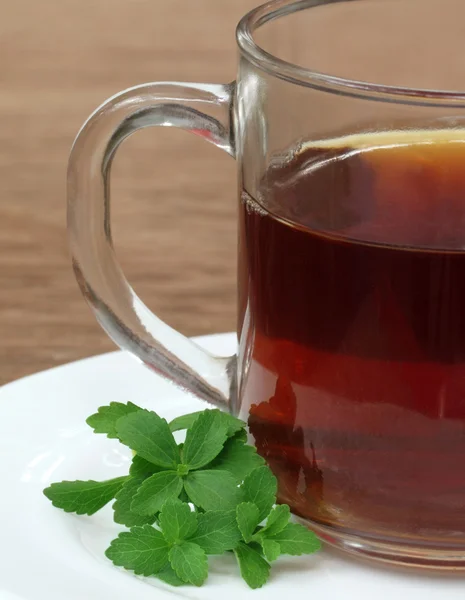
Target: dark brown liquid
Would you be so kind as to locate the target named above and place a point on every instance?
(352, 321)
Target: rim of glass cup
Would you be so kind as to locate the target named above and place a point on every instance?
(282, 69)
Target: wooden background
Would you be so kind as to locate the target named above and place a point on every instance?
(174, 195)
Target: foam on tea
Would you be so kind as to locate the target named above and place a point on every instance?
(352, 267)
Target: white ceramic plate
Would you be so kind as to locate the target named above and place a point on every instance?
(46, 554)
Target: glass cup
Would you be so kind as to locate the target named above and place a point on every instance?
(347, 121)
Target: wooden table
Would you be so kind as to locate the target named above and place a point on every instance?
(174, 196)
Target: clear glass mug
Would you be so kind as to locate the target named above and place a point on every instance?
(351, 362)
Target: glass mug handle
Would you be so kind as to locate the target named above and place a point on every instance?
(124, 317)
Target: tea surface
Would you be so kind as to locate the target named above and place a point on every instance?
(352, 316)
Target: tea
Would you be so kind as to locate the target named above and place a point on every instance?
(352, 326)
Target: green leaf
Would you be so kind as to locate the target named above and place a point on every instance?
(155, 491)
(167, 575)
(212, 490)
(143, 550)
(189, 562)
(233, 424)
(83, 497)
(104, 420)
(184, 421)
(217, 531)
(205, 439)
(237, 458)
(248, 518)
(142, 468)
(254, 568)
(260, 487)
(177, 521)
(149, 435)
(277, 520)
(296, 539)
(122, 506)
(271, 549)
(240, 436)
(183, 496)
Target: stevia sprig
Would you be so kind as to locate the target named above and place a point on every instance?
(208, 495)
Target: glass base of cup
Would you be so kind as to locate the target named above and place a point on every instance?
(399, 552)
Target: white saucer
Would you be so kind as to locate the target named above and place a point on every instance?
(46, 554)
